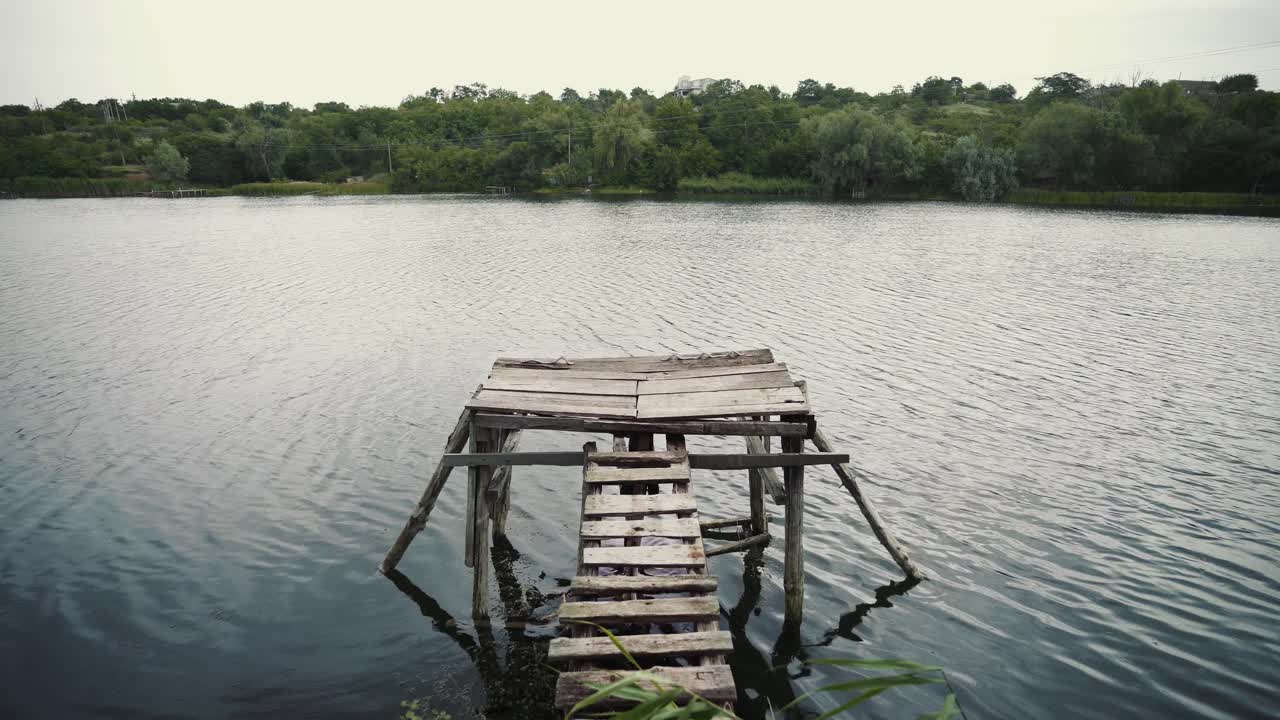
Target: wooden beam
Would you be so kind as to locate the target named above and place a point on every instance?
(500, 485)
(563, 459)
(683, 427)
(739, 545)
(698, 461)
(793, 567)
(482, 440)
(726, 522)
(418, 519)
(849, 478)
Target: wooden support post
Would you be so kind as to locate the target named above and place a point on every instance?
(482, 440)
(755, 478)
(500, 486)
(849, 478)
(738, 545)
(793, 570)
(418, 519)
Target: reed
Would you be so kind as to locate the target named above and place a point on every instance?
(653, 698)
(47, 187)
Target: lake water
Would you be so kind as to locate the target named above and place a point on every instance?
(217, 414)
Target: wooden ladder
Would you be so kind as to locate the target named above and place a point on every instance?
(630, 601)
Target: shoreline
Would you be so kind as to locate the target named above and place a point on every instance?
(1236, 204)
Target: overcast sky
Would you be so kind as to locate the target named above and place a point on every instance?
(376, 53)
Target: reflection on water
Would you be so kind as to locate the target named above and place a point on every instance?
(218, 413)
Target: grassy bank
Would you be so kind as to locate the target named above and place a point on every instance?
(1236, 203)
(288, 189)
(46, 187)
(735, 183)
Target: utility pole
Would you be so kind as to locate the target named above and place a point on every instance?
(571, 146)
(389, 157)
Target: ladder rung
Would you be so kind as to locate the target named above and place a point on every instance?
(696, 609)
(654, 585)
(713, 682)
(646, 556)
(674, 645)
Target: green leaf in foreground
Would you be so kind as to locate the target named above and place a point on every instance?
(950, 709)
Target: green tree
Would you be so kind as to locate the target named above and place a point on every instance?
(1169, 118)
(1238, 84)
(853, 149)
(166, 164)
(620, 136)
(1004, 93)
(980, 172)
(1071, 145)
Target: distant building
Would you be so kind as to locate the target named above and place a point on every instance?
(1202, 88)
(686, 87)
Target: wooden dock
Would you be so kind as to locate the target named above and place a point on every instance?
(176, 194)
(641, 566)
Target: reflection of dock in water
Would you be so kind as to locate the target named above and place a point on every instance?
(518, 682)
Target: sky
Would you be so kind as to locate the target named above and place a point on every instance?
(376, 53)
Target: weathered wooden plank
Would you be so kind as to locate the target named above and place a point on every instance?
(685, 427)
(744, 461)
(654, 585)
(598, 505)
(562, 458)
(628, 475)
(675, 645)
(660, 610)
(639, 457)
(713, 682)
(747, 381)
(738, 545)
(617, 406)
(755, 401)
(714, 372)
(645, 556)
(518, 373)
(650, 363)
(678, 528)
(551, 382)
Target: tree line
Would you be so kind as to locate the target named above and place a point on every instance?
(941, 136)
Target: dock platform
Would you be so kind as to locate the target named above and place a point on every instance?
(642, 565)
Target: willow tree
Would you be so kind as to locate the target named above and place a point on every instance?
(980, 172)
(621, 135)
(853, 148)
